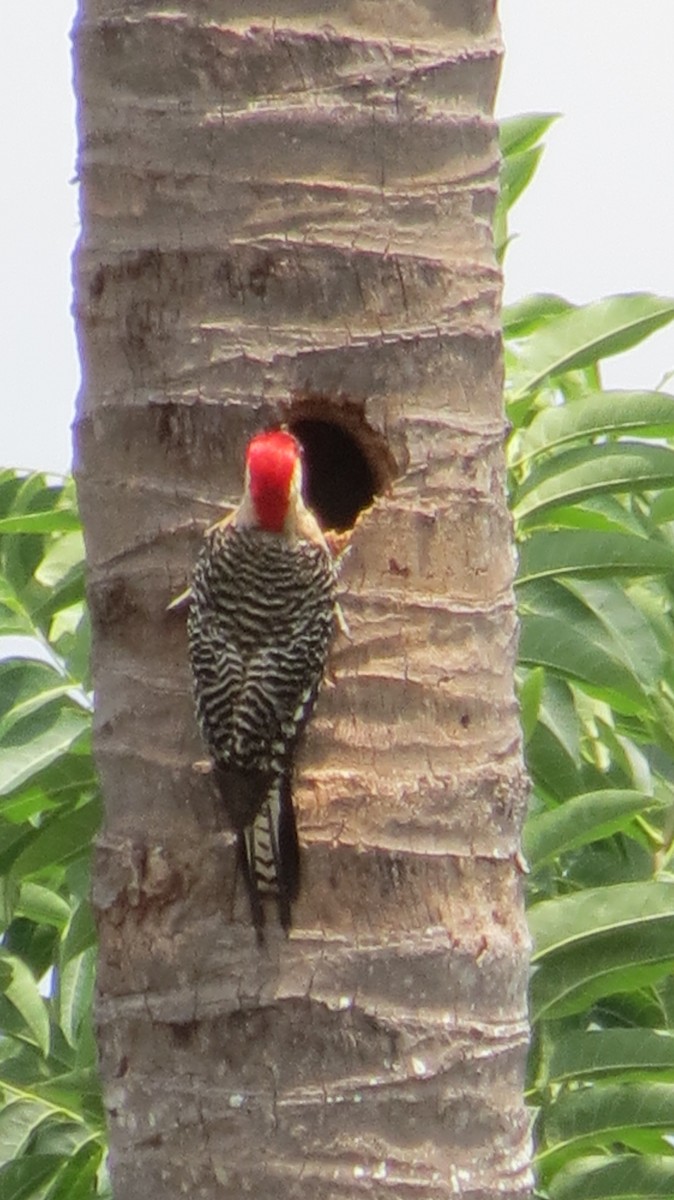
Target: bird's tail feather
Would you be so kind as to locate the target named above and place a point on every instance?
(269, 855)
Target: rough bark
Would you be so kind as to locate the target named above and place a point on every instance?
(286, 214)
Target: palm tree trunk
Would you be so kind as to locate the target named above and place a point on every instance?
(286, 215)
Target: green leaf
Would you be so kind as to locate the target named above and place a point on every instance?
(558, 713)
(517, 172)
(628, 631)
(631, 1009)
(25, 687)
(60, 840)
(662, 508)
(23, 993)
(20, 556)
(70, 637)
(578, 654)
(581, 820)
(62, 1136)
(42, 905)
(589, 333)
(529, 696)
(598, 942)
(520, 158)
(36, 742)
(555, 773)
(639, 1054)
(75, 1180)
(23, 1179)
(81, 933)
(70, 1095)
(568, 919)
(553, 750)
(12, 842)
(53, 521)
(651, 414)
(14, 620)
(574, 475)
(591, 1116)
(18, 1121)
(586, 553)
(600, 611)
(64, 557)
(621, 1177)
(76, 986)
(603, 513)
(519, 133)
(36, 945)
(63, 783)
(530, 313)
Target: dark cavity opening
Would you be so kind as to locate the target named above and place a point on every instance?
(340, 480)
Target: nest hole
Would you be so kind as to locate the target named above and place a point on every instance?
(341, 479)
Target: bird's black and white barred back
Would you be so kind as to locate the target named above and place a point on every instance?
(260, 624)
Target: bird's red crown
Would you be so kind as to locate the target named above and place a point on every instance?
(272, 460)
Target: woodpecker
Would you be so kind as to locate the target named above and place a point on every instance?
(260, 622)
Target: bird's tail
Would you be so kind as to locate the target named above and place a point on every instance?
(269, 855)
(268, 849)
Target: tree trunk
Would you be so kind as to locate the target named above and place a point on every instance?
(286, 216)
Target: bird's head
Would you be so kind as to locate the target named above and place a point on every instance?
(273, 487)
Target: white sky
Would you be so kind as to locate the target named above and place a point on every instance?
(598, 218)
